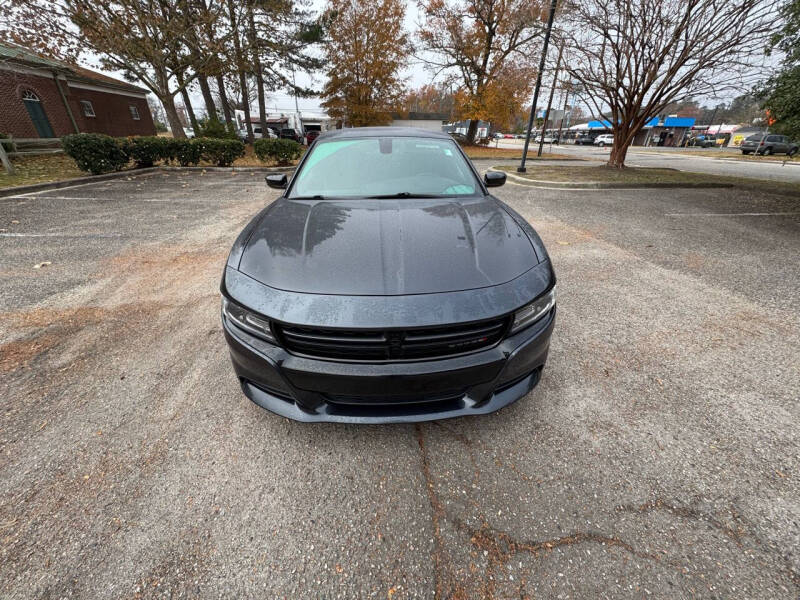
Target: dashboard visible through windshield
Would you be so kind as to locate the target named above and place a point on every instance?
(384, 167)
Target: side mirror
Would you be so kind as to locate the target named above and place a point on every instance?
(277, 181)
(494, 178)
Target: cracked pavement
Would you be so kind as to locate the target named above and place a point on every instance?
(658, 458)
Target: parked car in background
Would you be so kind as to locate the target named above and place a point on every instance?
(459, 137)
(498, 136)
(311, 136)
(604, 139)
(356, 298)
(702, 141)
(189, 132)
(768, 144)
(288, 133)
(548, 139)
(584, 140)
(258, 133)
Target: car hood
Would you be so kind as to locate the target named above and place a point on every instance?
(386, 247)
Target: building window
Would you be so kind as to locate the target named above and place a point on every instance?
(88, 109)
(134, 112)
(29, 96)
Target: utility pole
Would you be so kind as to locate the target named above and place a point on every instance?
(550, 100)
(566, 105)
(553, 3)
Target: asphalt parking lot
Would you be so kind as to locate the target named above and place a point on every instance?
(659, 457)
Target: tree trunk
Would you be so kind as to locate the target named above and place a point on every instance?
(252, 38)
(246, 107)
(187, 103)
(168, 101)
(472, 130)
(189, 110)
(223, 99)
(240, 64)
(616, 158)
(211, 108)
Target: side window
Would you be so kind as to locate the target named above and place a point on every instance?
(773, 138)
(134, 112)
(88, 109)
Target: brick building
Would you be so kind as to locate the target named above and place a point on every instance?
(45, 98)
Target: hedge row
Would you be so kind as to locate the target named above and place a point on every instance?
(278, 150)
(98, 153)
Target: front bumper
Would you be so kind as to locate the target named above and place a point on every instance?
(317, 390)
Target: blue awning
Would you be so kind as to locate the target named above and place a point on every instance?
(679, 122)
(652, 122)
(599, 124)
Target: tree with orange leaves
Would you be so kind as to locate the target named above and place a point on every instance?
(484, 46)
(366, 50)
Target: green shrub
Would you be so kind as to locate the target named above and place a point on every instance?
(280, 151)
(220, 152)
(146, 150)
(95, 152)
(171, 148)
(188, 152)
(214, 128)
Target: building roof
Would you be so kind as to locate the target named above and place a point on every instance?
(23, 56)
(679, 122)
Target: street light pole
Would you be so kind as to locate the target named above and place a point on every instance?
(553, 3)
(550, 102)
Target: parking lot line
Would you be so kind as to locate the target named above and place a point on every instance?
(62, 235)
(752, 214)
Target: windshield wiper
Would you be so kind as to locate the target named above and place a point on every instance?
(401, 195)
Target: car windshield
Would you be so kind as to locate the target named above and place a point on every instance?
(385, 166)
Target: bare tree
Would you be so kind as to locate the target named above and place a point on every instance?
(634, 57)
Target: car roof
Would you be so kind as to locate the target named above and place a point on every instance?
(361, 132)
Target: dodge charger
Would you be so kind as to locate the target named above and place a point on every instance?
(387, 284)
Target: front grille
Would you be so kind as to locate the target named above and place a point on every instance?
(392, 344)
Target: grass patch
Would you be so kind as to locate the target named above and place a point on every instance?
(643, 176)
(39, 169)
(513, 153)
(58, 167)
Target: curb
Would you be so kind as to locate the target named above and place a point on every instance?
(596, 185)
(65, 183)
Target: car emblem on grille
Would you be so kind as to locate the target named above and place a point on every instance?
(395, 344)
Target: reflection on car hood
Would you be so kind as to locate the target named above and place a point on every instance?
(386, 247)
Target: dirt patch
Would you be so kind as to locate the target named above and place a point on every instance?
(19, 353)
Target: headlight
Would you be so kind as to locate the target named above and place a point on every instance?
(529, 314)
(250, 322)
